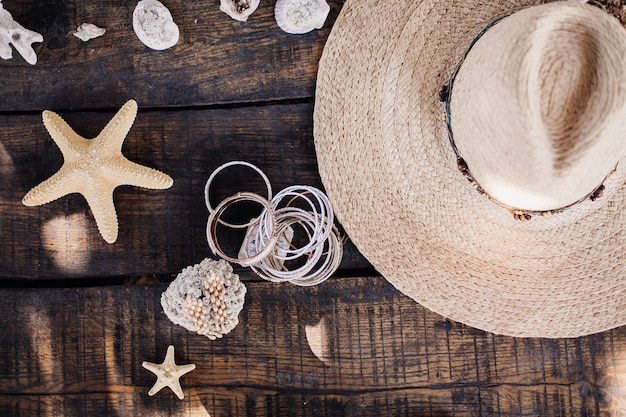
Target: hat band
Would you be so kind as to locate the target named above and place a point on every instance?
(518, 214)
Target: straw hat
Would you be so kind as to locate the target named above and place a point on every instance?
(536, 108)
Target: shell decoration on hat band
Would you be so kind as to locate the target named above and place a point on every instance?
(522, 214)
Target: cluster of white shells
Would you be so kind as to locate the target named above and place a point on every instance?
(292, 16)
(154, 26)
(205, 298)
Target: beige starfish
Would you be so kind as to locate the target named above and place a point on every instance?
(168, 373)
(95, 167)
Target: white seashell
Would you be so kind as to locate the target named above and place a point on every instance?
(154, 25)
(12, 33)
(301, 16)
(239, 9)
(88, 31)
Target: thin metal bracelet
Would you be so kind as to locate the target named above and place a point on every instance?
(333, 260)
(214, 218)
(323, 216)
(207, 190)
(268, 265)
(307, 276)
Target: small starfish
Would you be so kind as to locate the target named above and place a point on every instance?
(168, 373)
(95, 167)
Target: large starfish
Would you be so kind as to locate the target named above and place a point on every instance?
(95, 167)
(168, 373)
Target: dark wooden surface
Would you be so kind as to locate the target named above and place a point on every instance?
(217, 60)
(350, 347)
(161, 232)
(78, 315)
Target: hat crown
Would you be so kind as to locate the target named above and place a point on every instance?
(538, 105)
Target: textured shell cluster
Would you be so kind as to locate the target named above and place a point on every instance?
(205, 298)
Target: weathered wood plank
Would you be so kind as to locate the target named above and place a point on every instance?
(217, 59)
(160, 231)
(353, 346)
(506, 401)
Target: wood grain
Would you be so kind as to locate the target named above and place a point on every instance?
(228, 90)
(217, 60)
(350, 347)
(160, 231)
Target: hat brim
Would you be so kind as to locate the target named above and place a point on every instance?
(389, 170)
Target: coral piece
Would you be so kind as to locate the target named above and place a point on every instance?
(154, 25)
(12, 33)
(239, 9)
(88, 31)
(300, 16)
(168, 373)
(94, 168)
(205, 298)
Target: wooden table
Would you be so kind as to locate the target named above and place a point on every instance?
(78, 316)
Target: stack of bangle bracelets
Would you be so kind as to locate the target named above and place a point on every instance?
(268, 247)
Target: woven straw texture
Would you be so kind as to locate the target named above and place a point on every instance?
(390, 172)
